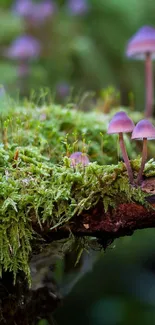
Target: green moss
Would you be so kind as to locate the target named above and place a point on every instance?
(37, 183)
(48, 126)
(36, 189)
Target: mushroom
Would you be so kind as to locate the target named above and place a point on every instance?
(77, 7)
(120, 124)
(142, 46)
(23, 8)
(23, 49)
(78, 158)
(144, 130)
(34, 13)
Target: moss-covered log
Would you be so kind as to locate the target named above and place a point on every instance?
(57, 200)
(43, 199)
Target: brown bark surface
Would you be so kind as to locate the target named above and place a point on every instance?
(117, 222)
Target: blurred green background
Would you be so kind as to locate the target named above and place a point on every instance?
(83, 50)
(119, 289)
(82, 47)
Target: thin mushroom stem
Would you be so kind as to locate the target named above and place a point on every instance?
(126, 159)
(149, 86)
(23, 74)
(144, 158)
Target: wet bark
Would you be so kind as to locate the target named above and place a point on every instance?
(20, 305)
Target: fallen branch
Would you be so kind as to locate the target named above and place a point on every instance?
(120, 221)
(55, 201)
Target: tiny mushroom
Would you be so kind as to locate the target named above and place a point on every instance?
(23, 49)
(43, 11)
(144, 130)
(23, 8)
(142, 47)
(79, 158)
(120, 124)
(34, 12)
(77, 7)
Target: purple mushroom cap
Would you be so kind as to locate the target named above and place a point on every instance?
(23, 8)
(120, 123)
(24, 48)
(143, 129)
(141, 43)
(43, 10)
(79, 158)
(77, 7)
(35, 12)
(47, 7)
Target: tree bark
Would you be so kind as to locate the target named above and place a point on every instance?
(106, 226)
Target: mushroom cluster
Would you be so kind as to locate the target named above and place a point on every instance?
(144, 130)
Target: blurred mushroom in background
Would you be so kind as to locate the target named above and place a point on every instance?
(23, 49)
(77, 7)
